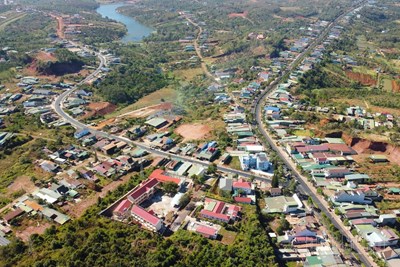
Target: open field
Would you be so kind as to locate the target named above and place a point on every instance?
(11, 17)
(34, 227)
(228, 237)
(163, 95)
(188, 74)
(194, 131)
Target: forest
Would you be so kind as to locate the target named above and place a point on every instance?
(138, 75)
(93, 240)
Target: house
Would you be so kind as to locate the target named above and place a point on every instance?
(109, 148)
(157, 122)
(88, 174)
(358, 178)
(386, 219)
(243, 200)
(4, 241)
(143, 191)
(225, 184)
(47, 195)
(207, 232)
(357, 197)
(146, 219)
(220, 211)
(377, 237)
(82, 133)
(49, 166)
(282, 204)
(275, 192)
(336, 172)
(243, 186)
(301, 235)
(387, 254)
(12, 215)
(56, 216)
(378, 158)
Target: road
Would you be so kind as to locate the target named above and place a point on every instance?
(305, 186)
(197, 48)
(58, 107)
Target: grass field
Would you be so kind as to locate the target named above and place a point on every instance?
(188, 74)
(166, 94)
(364, 70)
(235, 163)
(228, 237)
(387, 85)
(363, 44)
(307, 133)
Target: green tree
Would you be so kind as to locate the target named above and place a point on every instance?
(170, 188)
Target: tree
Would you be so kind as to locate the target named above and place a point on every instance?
(212, 168)
(170, 188)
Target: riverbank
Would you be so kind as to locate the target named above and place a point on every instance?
(135, 30)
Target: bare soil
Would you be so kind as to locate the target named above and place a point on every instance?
(195, 131)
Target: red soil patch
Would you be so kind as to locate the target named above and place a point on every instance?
(33, 228)
(194, 131)
(43, 56)
(99, 109)
(364, 79)
(395, 87)
(363, 146)
(239, 15)
(21, 183)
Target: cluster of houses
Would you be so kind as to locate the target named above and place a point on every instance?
(248, 148)
(240, 190)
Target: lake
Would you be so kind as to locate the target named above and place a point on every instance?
(136, 31)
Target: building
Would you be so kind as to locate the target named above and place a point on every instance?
(357, 177)
(282, 204)
(207, 232)
(146, 219)
(275, 192)
(122, 208)
(82, 133)
(143, 191)
(220, 211)
(357, 197)
(258, 161)
(162, 177)
(244, 186)
(226, 184)
(12, 215)
(386, 219)
(157, 122)
(336, 172)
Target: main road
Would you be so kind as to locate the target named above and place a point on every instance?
(306, 186)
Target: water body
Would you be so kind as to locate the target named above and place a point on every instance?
(136, 31)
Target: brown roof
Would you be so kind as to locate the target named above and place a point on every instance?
(13, 214)
(33, 205)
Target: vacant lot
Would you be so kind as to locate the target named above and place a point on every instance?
(161, 96)
(194, 131)
(147, 111)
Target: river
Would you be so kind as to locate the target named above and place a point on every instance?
(136, 31)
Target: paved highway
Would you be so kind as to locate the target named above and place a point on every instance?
(305, 186)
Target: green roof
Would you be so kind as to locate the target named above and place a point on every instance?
(394, 190)
(313, 260)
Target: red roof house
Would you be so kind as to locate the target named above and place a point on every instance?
(161, 177)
